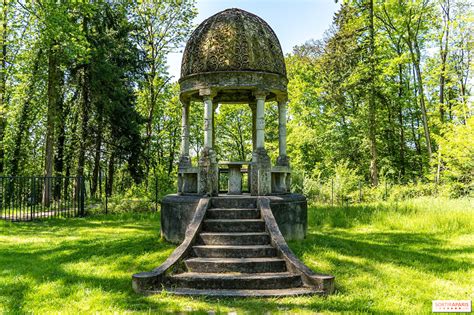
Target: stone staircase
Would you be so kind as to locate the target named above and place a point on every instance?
(230, 254)
(233, 256)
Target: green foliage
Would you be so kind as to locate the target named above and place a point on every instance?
(456, 157)
(115, 111)
(386, 85)
(122, 204)
(234, 132)
(330, 84)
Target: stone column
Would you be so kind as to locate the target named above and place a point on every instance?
(214, 107)
(208, 113)
(261, 166)
(253, 107)
(260, 119)
(208, 169)
(282, 157)
(184, 159)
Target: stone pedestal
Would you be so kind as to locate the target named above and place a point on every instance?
(260, 173)
(208, 173)
(235, 179)
(290, 211)
(283, 160)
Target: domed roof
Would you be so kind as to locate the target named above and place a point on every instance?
(233, 40)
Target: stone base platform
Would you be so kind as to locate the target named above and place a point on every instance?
(289, 210)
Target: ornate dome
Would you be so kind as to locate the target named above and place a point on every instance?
(233, 40)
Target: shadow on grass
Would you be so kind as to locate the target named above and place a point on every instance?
(418, 250)
(44, 263)
(60, 226)
(39, 264)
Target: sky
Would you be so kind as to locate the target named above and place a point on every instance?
(294, 21)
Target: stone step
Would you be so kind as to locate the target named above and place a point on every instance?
(232, 213)
(235, 251)
(302, 291)
(242, 225)
(246, 265)
(252, 238)
(281, 280)
(234, 202)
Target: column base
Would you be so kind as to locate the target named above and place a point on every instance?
(184, 162)
(283, 160)
(260, 173)
(208, 173)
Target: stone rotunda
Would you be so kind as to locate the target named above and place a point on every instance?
(234, 57)
(233, 241)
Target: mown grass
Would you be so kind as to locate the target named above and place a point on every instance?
(387, 258)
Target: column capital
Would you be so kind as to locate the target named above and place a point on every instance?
(260, 94)
(207, 94)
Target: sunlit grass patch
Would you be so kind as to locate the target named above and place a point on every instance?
(387, 258)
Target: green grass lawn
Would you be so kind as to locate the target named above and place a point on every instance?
(387, 258)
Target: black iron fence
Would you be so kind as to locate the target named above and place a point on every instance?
(33, 197)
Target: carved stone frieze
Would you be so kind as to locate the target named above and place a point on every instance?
(233, 40)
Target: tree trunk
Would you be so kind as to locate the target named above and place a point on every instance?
(415, 54)
(84, 112)
(443, 55)
(23, 120)
(400, 120)
(53, 97)
(110, 176)
(61, 138)
(98, 146)
(3, 81)
(372, 123)
(172, 151)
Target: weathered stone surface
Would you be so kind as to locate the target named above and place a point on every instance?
(240, 293)
(144, 282)
(233, 87)
(234, 251)
(245, 265)
(176, 214)
(243, 202)
(208, 173)
(219, 262)
(290, 211)
(322, 282)
(261, 173)
(291, 214)
(230, 248)
(233, 53)
(223, 213)
(283, 280)
(235, 225)
(283, 160)
(235, 180)
(234, 238)
(233, 40)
